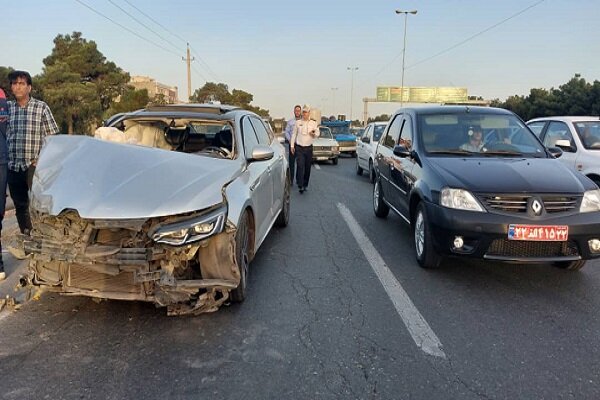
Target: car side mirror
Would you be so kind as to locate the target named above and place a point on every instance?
(556, 151)
(565, 145)
(366, 139)
(401, 151)
(261, 153)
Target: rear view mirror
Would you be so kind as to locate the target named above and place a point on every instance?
(565, 145)
(556, 151)
(261, 153)
(366, 139)
(401, 151)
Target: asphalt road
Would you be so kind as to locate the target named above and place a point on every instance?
(319, 324)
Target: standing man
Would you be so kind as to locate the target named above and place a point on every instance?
(289, 130)
(3, 169)
(305, 132)
(29, 122)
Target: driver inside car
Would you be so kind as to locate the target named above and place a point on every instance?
(475, 142)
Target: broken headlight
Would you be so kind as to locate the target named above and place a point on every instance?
(191, 230)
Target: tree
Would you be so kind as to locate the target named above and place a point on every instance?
(131, 100)
(220, 92)
(382, 117)
(72, 101)
(73, 56)
(4, 83)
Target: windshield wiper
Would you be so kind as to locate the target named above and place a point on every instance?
(456, 151)
(501, 153)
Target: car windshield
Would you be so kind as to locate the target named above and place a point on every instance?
(478, 134)
(204, 137)
(377, 131)
(339, 130)
(325, 133)
(589, 133)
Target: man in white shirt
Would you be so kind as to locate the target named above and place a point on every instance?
(304, 133)
(289, 129)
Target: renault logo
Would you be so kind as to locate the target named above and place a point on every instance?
(536, 206)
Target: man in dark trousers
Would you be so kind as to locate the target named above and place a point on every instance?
(3, 169)
(29, 122)
(305, 132)
(289, 130)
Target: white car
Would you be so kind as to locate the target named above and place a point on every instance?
(325, 147)
(167, 205)
(578, 137)
(366, 146)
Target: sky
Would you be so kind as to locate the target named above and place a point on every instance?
(288, 53)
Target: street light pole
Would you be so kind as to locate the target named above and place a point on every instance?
(333, 90)
(404, 49)
(351, 69)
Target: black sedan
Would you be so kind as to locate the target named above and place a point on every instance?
(475, 181)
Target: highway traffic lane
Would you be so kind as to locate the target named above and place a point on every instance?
(509, 330)
(316, 324)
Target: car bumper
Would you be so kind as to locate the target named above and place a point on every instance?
(485, 235)
(322, 155)
(348, 149)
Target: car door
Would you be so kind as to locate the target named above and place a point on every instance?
(384, 158)
(276, 165)
(402, 174)
(259, 181)
(362, 151)
(558, 130)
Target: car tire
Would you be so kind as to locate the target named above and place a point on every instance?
(371, 172)
(381, 209)
(335, 161)
(284, 216)
(359, 170)
(353, 154)
(571, 265)
(243, 251)
(426, 255)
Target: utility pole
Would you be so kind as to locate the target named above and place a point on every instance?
(351, 69)
(188, 61)
(333, 90)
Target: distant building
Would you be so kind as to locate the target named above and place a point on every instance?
(169, 93)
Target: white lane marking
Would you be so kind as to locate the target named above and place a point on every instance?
(317, 166)
(418, 328)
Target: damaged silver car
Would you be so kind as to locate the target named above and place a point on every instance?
(168, 205)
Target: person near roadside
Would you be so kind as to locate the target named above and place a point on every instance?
(289, 130)
(3, 169)
(29, 122)
(305, 132)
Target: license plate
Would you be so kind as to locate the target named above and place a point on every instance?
(545, 233)
(322, 158)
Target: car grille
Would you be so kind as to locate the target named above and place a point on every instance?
(518, 203)
(320, 148)
(520, 248)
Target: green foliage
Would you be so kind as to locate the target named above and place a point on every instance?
(4, 83)
(576, 97)
(220, 92)
(72, 101)
(78, 83)
(382, 117)
(130, 100)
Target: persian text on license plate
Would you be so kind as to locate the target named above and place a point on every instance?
(546, 233)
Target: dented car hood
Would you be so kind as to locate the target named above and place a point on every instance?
(106, 180)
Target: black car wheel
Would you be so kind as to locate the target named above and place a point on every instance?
(570, 265)
(371, 172)
(359, 170)
(243, 251)
(426, 254)
(284, 216)
(335, 161)
(381, 209)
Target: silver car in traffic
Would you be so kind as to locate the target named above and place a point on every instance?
(168, 205)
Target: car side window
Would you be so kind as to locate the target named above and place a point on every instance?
(537, 127)
(406, 136)
(557, 131)
(250, 138)
(261, 132)
(393, 132)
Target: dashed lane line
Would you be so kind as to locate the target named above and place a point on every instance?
(418, 328)
(317, 166)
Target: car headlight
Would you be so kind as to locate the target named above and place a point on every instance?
(459, 199)
(591, 201)
(335, 148)
(192, 230)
